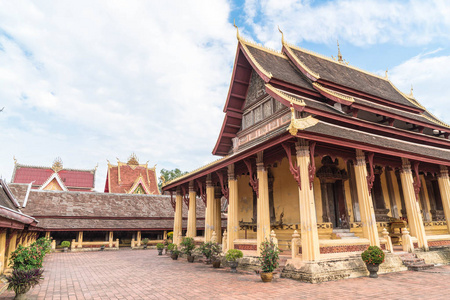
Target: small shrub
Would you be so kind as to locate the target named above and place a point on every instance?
(43, 245)
(160, 246)
(188, 246)
(65, 244)
(171, 247)
(209, 249)
(21, 281)
(145, 241)
(269, 256)
(233, 254)
(373, 255)
(26, 258)
(170, 235)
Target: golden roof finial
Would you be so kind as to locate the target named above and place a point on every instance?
(57, 165)
(15, 160)
(339, 53)
(282, 35)
(386, 73)
(133, 160)
(237, 30)
(411, 92)
(96, 167)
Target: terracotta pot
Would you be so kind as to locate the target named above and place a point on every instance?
(102, 248)
(190, 258)
(216, 263)
(373, 269)
(160, 251)
(65, 249)
(233, 266)
(266, 277)
(174, 256)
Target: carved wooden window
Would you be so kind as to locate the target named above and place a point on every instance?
(258, 114)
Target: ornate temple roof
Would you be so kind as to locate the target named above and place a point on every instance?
(65, 179)
(11, 215)
(131, 177)
(57, 210)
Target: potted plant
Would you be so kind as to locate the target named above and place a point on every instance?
(21, 281)
(160, 247)
(65, 245)
(102, 247)
(145, 242)
(232, 257)
(373, 257)
(171, 247)
(175, 252)
(188, 247)
(268, 260)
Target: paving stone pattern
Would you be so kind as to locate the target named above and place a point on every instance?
(142, 274)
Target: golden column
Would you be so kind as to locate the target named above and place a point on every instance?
(262, 207)
(178, 219)
(2, 249)
(308, 218)
(192, 213)
(233, 221)
(368, 221)
(209, 210)
(415, 221)
(444, 188)
(11, 247)
(218, 219)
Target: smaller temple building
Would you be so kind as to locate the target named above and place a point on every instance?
(54, 178)
(16, 228)
(131, 177)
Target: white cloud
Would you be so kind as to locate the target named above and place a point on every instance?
(89, 81)
(361, 23)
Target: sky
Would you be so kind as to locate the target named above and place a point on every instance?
(91, 81)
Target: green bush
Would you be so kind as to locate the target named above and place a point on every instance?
(145, 241)
(233, 254)
(269, 256)
(188, 246)
(26, 258)
(373, 255)
(65, 244)
(170, 235)
(209, 249)
(43, 245)
(171, 247)
(160, 246)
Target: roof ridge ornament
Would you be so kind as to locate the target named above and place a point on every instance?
(15, 160)
(386, 73)
(57, 165)
(282, 35)
(237, 30)
(339, 52)
(300, 124)
(411, 92)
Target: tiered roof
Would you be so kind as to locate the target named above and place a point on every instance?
(11, 215)
(131, 178)
(55, 177)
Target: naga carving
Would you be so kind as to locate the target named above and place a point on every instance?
(295, 170)
(371, 176)
(225, 190)
(417, 184)
(312, 164)
(173, 202)
(202, 193)
(185, 196)
(253, 181)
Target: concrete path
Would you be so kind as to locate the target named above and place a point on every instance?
(142, 274)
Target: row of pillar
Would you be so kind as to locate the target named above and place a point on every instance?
(9, 243)
(309, 233)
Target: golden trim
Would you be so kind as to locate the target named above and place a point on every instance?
(406, 96)
(297, 60)
(289, 98)
(300, 124)
(436, 120)
(330, 59)
(268, 74)
(334, 93)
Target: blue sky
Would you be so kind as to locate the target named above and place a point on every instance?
(92, 81)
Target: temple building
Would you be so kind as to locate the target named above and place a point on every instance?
(326, 159)
(131, 178)
(54, 178)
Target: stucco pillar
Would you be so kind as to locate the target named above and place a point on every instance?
(209, 210)
(2, 250)
(111, 239)
(11, 247)
(233, 222)
(367, 212)
(415, 221)
(444, 188)
(138, 238)
(192, 214)
(262, 205)
(80, 239)
(165, 235)
(178, 219)
(308, 218)
(218, 219)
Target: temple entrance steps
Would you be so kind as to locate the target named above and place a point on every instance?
(414, 263)
(344, 234)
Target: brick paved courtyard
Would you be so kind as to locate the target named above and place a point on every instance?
(128, 274)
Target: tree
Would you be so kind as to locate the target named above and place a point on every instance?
(167, 175)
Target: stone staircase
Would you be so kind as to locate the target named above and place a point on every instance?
(414, 263)
(344, 234)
